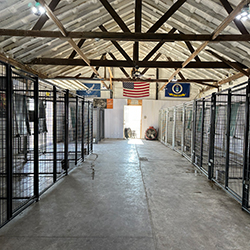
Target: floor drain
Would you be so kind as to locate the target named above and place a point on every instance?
(143, 158)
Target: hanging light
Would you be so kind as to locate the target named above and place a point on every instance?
(37, 9)
(174, 79)
(245, 13)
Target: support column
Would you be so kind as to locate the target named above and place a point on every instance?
(66, 141)
(76, 130)
(228, 137)
(211, 138)
(9, 142)
(246, 154)
(36, 139)
(54, 135)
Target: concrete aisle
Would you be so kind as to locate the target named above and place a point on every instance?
(143, 196)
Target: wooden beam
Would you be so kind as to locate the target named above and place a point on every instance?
(125, 36)
(191, 49)
(121, 68)
(102, 58)
(52, 16)
(155, 59)
(44, 18)
(80, 43)
(221, 27)
(180, 74)
(166, 16)
(21, 66)
(135, 80)
(157, 47)
(115, 16)
(232, 78)
(110, 78)
(123, 63)
(121, 50)
(238, 23)
(138, 15)
(233, 66)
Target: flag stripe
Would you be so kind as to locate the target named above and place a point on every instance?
(136, 89)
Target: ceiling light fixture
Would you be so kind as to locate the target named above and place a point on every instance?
(174, 79)
(37, 9)
(245, 13)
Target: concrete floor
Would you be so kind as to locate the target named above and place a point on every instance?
(143, 197)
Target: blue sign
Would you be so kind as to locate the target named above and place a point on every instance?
(180, 90)
(93, 91)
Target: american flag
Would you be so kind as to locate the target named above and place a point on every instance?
(135, 89)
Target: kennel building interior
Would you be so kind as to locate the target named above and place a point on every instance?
(213, 134)
(45, 133)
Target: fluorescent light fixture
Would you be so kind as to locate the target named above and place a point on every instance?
(37, 9)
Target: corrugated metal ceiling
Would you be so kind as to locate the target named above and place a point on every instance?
(193, 17)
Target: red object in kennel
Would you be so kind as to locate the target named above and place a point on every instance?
(151, 133)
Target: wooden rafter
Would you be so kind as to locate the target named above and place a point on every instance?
(103, 57)
(73, 53)
(20, 65)
(121, 68)
(138, 15)
(70, 41)
(121, 50)
(123, 63)
(157, 47)
(236, 65)
(115, 16)
(155, 59)
(125, 36)
(180, 74)
(191, 49)
(217, 31)
(138, 80)
(44, 18)
(238, 23)
(166, 16)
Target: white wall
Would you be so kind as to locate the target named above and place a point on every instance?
(150, 116)
(114, 119)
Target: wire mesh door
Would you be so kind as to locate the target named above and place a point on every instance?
(236, 145)
(170, 126)
(163, 128)
(60, 133)
(45, 138)
(178, 128)
(23, 142)
(79, 129)
(206, 134)
(220, 138)
(188, 126)
(198, 132)
(3, 165)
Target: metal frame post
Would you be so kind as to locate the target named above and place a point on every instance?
(173, 129)
(183, 128)
(88, 127)
(246, 154)
(202, 131)
(92, 128)
(193, 137)
(166, 139)
(36, 139)
(66, 141)
(229, 101)
(83, 130)
(54, 135)
(211, 138)
(76, 128)
(9, 142)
